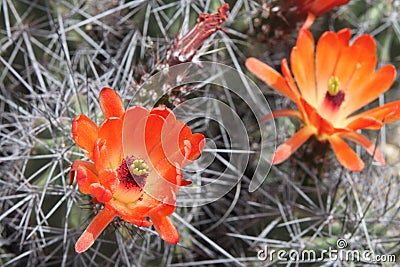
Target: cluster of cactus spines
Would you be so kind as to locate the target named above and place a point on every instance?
(54, 59)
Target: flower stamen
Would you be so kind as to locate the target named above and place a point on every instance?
(333, 86)
(138, 167)
(133, 172)
(334, 96)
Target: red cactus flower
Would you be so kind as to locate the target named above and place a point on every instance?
(137, 156)
(313, 8)
(331, 82)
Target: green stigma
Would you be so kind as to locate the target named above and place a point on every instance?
(333, 86)
(138, 167)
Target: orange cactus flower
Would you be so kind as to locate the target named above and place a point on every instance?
(313, 8)
(334, 80)
(137, 156)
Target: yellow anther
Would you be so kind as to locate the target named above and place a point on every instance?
(333, 86)
(138, 167)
